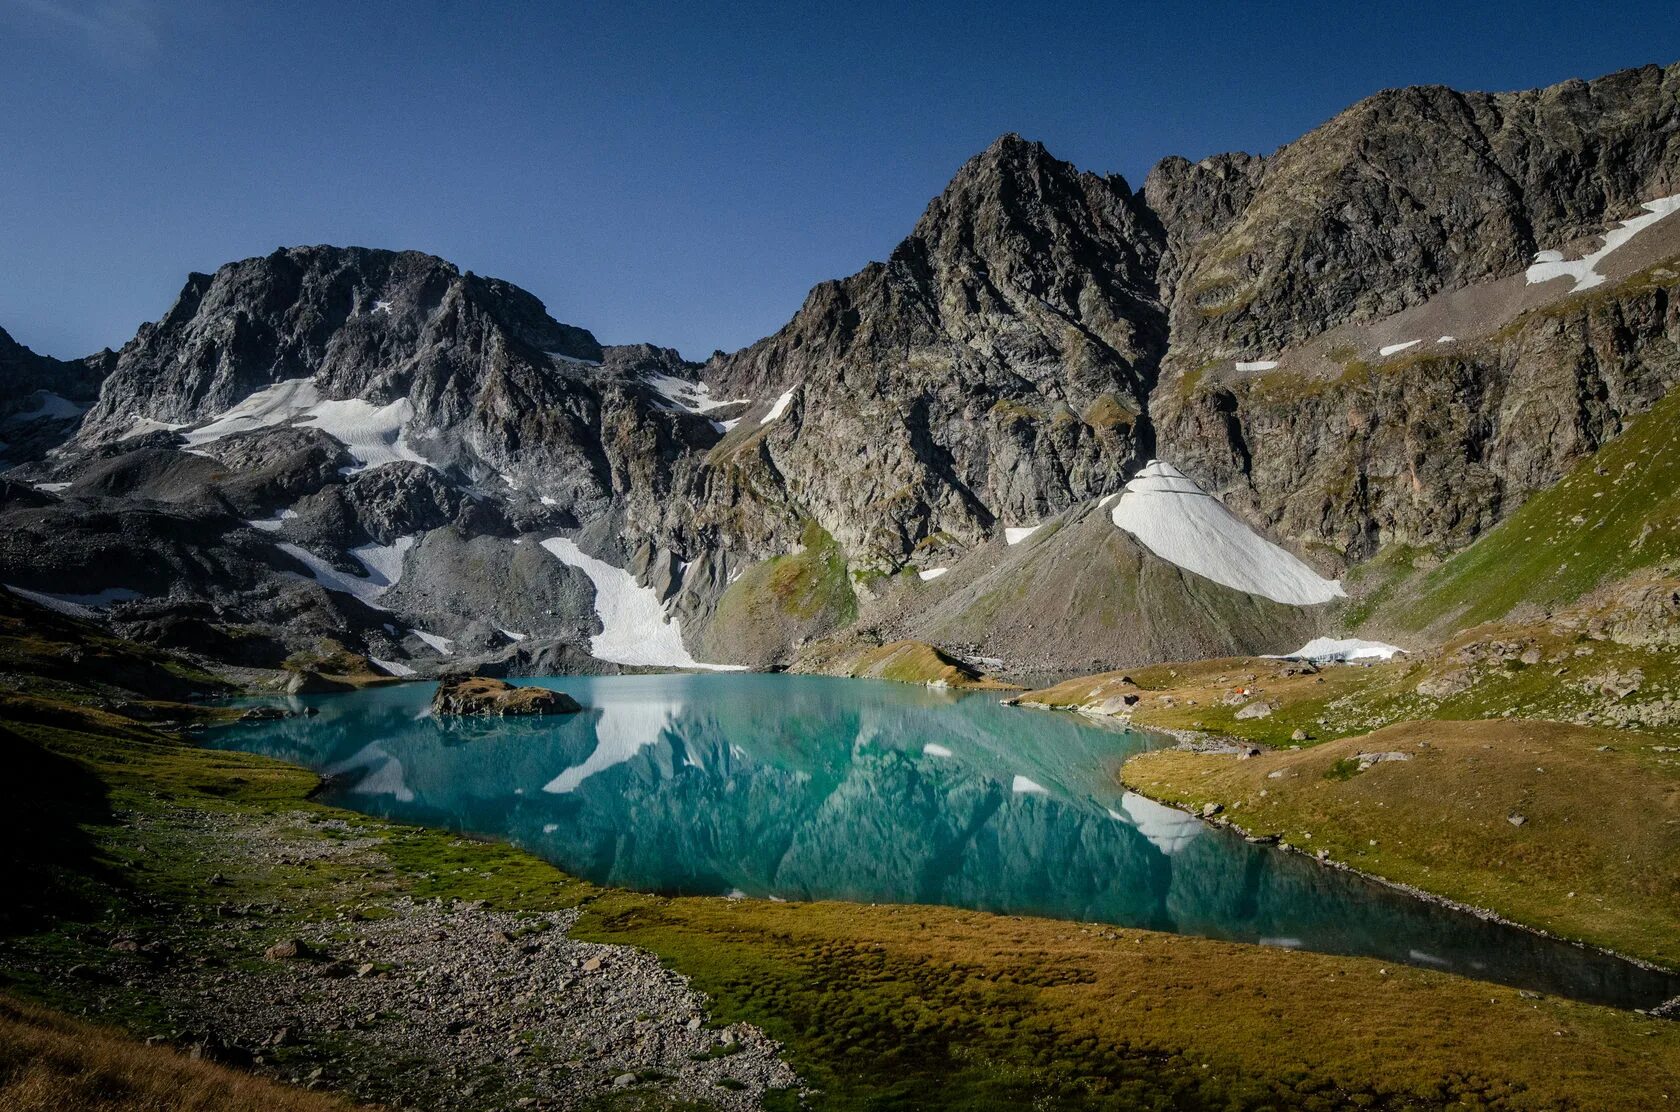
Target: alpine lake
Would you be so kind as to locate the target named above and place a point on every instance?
(811, 788)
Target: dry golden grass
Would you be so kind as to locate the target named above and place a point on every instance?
(52, 1063)
(932, 1007)
(1596, 857)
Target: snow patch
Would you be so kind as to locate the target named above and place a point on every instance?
(510, 634)
(392, 667)
(382, 307)
(934, 750)
(1179, 522)
(1551, 264)
(50, 488)
(1446, 339)
(373, 434)
(634, 626)
(1257, 365)
(1024, 786)
(1016, 534)
(140, 426)
(76, 606)
(272, 524)
(778, 409)
(50, 406)
(1390, 349)
(444, 645)
(931, 573)
(1344, 648)
(562, 357)
(690, 397)
(383, 564)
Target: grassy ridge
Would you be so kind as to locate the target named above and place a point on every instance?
(1596, 856)
(51, 1063)
(1616, 512)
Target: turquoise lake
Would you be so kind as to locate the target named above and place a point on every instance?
(803, 787)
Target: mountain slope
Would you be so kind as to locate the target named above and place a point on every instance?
(1342, 342)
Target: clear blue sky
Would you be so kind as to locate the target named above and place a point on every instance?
(680, 173)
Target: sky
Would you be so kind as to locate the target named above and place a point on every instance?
(677, 173)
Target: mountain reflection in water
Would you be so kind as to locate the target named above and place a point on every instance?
(802, 787)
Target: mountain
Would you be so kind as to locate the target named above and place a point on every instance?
(41, 398)
(1019, 438)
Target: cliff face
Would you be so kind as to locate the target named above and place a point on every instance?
(1405, 194)
(1410, 203)
(991, 372)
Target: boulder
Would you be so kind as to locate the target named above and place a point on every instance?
(485, 695)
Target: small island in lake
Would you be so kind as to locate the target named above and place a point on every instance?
(485, 695)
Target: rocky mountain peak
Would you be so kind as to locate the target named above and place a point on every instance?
(360, 321)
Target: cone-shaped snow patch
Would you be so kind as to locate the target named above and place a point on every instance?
(1181, 523)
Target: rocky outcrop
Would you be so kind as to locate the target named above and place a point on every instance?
(989, 373)
(482, 695)
(42, 398)
(1407, 193)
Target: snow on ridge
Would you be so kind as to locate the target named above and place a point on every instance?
(383, 563)
(778, 409)
(1181, 523)
(1257, 365)
(634, 626)
(444, 645)
(1551, 264)
(373, 434)
(1015, 534)
(931, 573)
(140, 426)
(1390, 349)
(691, 397)
(562, 357)
(1343, 649)
(52, 406)
(76, 606)
(272, 524)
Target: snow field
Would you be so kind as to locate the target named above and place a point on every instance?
(778, 409)
(373, 434)
(1179, 522)
(1551, 264)
(634, 627)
